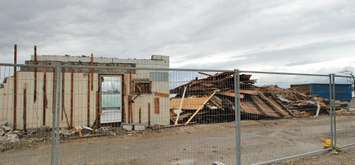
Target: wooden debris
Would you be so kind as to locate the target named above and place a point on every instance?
(201, 106)
(194, 103)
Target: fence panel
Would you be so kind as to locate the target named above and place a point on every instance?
(149, 117)
(125, 115)
(283, 115)
(345, 120)
(25, 114)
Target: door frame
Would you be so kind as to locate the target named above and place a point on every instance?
(123, 85)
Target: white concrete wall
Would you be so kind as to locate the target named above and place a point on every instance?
(35, 108)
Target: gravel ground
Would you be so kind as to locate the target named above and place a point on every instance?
(198, 144)
(345, 157)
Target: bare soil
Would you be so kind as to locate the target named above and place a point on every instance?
(345, 157)
(198, 144)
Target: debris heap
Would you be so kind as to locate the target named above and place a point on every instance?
(211, 99)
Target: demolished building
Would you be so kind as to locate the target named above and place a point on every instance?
(90, 97)
(212, 99)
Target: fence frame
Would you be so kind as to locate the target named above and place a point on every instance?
(237, 116)
(332, 114)
(55, 156)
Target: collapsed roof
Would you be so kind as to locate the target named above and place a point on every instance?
(212, 98)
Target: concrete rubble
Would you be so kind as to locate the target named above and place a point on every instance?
(10, 139)
(217, 163)
(84, 131)
(7, 137)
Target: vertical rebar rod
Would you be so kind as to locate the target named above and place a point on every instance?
(56, 111)
(15, 89)
(45, 100)
(71, 98)
(63, 96)
(35, 80)
(24, 115)
(237, 116)
(149, 115)
(88, 102)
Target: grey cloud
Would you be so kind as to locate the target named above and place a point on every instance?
(265, 33)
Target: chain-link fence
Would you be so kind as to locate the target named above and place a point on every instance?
(282, 115)
(148, 116)
(345, 122)
(26, 105)
(74, 114)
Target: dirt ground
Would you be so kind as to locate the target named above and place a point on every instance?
(199, 144)
(345, 157)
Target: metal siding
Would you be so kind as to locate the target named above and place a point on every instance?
(342, 91)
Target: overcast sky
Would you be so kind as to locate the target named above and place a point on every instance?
(275, 35)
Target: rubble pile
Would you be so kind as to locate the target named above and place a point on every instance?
(7, 137)
(84, 131)
(211, 99)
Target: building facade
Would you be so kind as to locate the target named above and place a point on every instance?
(110, 91)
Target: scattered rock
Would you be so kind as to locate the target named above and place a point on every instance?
(111, 133)
(183, 162)
(66, 133)
(6, 128)
(2, 132)
(12, 138)
(139, 127)
(155, 127)
(5, 123)
(83, 130)
(217, 163)
(3, 139)
(9, 138)
(127, 127)
(106, 131)
(87, 128)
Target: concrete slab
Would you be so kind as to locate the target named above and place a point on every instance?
(139, 127)
(352, 104)
(127, 127)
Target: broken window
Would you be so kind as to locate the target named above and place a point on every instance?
(142, 86)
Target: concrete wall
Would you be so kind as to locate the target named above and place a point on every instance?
(35, 109)
(142, 103)
(25, 79)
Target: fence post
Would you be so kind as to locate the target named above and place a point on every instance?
(334, 114)
(332, 111)
(331, 108)
(55, 113)
(237, 116)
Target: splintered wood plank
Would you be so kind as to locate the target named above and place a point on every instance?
(274, 106)
(264, 107)
(247, 107)
(200, 108)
